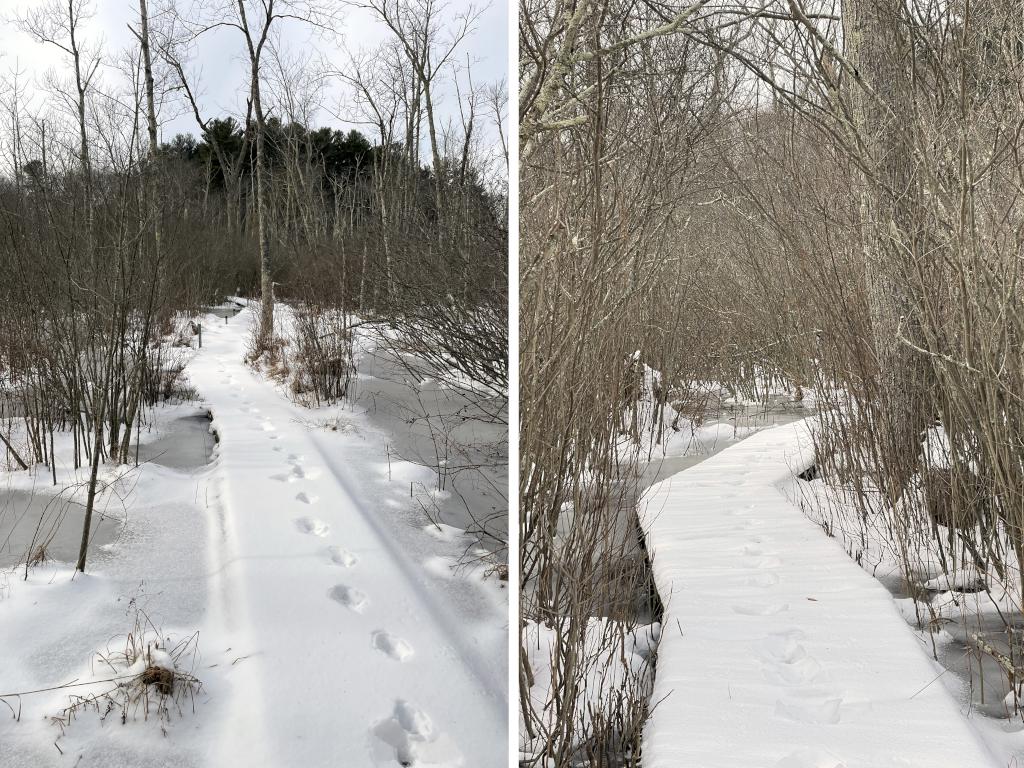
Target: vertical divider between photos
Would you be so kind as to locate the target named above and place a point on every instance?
(513, 410)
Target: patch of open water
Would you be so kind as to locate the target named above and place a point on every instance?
(41, 524)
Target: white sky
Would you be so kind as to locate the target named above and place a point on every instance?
(219, 56)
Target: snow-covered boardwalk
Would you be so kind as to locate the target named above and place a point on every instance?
(349, 657)
(778, 650)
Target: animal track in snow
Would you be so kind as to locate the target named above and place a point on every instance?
(342, 557)
(787, 661)
(352, 598)
(765, 609)
(784, 646)
(409, 738)
(763, 580)
(266, 426)
(313, 526)
(297, 473)
(393, 646)
(306, 473)
(306, 498)
(769, 561)
(801, 671)
(810, 758)
(810, 711)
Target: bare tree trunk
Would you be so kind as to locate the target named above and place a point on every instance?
(255, 49)
(262, 213)
(892, 231)
(147, 62)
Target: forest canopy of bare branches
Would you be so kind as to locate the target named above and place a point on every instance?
(757, 199)
(114, 233)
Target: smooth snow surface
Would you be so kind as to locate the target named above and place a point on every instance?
(778, 650)
(337, 653)
(332, 631)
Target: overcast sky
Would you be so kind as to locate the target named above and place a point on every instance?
(219, 55)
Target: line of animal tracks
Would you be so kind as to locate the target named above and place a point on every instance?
(779, 651)
(346, 655)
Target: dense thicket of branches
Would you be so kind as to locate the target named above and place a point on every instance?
(110, 240)
(805, 194)
(610, 268)
(328, 189)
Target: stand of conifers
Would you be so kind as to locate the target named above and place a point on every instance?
(820, 195)
(113, 240)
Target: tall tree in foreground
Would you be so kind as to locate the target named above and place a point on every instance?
(255, 20)
(894, 232)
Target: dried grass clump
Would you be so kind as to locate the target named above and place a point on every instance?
(160, 677)
(151, 676)
(323, 362)
(38, 556)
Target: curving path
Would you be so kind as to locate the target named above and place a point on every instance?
(778, 650)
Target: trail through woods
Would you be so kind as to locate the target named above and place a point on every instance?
(778, 650)
(325, 639)
(348, 628)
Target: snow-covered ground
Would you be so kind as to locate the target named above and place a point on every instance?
(777, 649)
(967, 619)
(617, 659)
(462, 433)
(332, 629)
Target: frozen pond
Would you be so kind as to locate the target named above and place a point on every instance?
(42, 525)
(449, 432)
(186, 444)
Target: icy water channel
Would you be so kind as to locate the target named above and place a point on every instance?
(972, 673)
(743, 420)
(226, 310)
(449, 432)
(44, 524)
(731, 424)
(186, 445)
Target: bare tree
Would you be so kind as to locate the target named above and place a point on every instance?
(429, 47)
(255, 21)
(58, 23)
